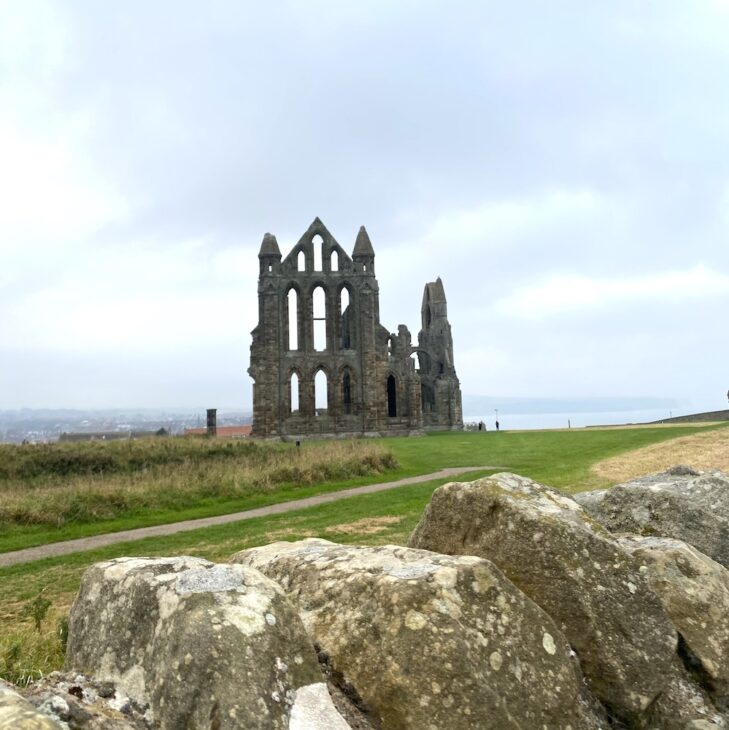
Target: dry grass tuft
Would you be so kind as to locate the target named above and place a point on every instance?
(365, 526)
(57, 484)
(704, 451)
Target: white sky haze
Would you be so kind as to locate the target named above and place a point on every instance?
(564, 167)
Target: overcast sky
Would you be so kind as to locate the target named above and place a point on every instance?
(563, 166)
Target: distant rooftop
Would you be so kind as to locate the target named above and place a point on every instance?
(231, 432)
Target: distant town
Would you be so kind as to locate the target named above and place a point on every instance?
(46, 425)
(40, 426)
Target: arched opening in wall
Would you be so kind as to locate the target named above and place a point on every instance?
(292, 308)
(334, 261)
(321, 401)
(319, 317)
(294, 393)
(347, 392)
(391, 396)
(428, 316)
(301, 261)
(345, 319)
(318, 244)
(427, 396)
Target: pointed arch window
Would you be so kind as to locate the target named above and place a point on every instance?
(292, 309)
(345, 319)
(294, 393)
(318, 245)
(321, 400)
(334, 261)
(347, 392)
(301, 261)
(427, 397)
(391, 396)
(319, 317)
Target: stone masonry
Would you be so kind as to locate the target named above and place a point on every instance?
(322, 363)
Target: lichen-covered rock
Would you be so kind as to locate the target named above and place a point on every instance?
(569, 565)
(683, 705)
(679, 503)
(694, 590)
(17, 713)
(429, 641)
(202, 645)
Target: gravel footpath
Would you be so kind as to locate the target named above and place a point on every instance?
(88, 543)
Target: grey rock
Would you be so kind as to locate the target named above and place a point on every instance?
(684, 705)
(16, 713)
(313, 710)
(694, 590)
(83, 703)
(572, 567)
(690, 507)
(422, 640)
(201, 645)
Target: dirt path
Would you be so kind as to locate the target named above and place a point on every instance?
(88, 543)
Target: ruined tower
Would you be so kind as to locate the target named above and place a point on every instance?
(439, 386)
(322, 363)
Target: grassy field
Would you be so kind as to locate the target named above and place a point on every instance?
(60, 491)
(561, 458)
(64, 491)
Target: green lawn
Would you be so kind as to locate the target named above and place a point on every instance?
(561, 459)
(558, 458)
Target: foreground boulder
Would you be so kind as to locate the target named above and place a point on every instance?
(202, 645)
(680, 503)
(421, 640)
(694, 590)
(569, 565)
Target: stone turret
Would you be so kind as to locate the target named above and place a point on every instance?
(363, 253)
(270, 255)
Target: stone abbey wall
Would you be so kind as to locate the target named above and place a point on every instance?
(322, 363)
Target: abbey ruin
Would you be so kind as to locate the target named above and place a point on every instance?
(322, 363)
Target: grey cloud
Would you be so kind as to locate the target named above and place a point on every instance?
(227, 121)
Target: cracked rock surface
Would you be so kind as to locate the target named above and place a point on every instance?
(570, 566)
(679, 503)
(420, 640)
(695, 592)
(198, 644)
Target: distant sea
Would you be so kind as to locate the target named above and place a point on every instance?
(517, 415)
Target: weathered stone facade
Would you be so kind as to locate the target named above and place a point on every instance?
(319, 334)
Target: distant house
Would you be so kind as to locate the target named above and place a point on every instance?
(229, 432)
